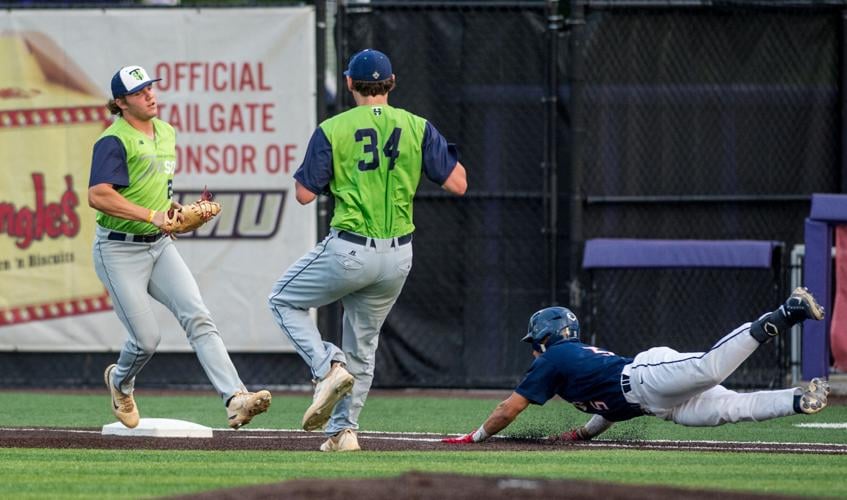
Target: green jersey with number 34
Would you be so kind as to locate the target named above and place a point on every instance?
(376, 158)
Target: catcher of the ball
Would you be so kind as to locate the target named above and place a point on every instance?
(187, 218)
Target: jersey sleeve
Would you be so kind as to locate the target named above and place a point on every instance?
(439, 158)
(108, 163)
(316, 170)
(539, 383)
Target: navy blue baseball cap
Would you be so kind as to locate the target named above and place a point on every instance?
(369, 65)
(130, 79)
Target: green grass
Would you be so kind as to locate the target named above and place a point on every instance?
(36, 473)
(57, 473)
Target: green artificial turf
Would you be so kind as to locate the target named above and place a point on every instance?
(42, 473)
(56, 473)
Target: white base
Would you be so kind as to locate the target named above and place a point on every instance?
(159, 427)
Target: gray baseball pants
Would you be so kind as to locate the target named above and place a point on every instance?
(135, 272)
(684, 387)
(367, 279)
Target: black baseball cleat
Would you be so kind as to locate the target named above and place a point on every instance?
(801, 305)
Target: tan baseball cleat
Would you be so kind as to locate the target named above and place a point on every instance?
(814, 396)
(245, 405)
(345, 440)
(328, 392)
(123, 405)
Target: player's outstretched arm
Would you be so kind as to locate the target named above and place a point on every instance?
(500, 418)
(593, 428)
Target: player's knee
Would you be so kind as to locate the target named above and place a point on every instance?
(200, 326)
(715, 379)
(148, 345)
(275, 301)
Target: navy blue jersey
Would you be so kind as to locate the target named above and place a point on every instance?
(587, 377)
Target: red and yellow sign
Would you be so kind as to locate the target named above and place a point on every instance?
(49, 118)
(243, 114)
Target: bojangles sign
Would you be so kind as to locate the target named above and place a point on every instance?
(47, 124)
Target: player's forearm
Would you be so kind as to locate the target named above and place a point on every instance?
(457, 182)
(594, 427)
(499, 419)
(110, 202)
(302, 194)
(495, 423)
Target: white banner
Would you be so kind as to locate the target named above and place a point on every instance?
(238, 85)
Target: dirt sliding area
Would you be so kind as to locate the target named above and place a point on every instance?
(411, 485)
(417, 485)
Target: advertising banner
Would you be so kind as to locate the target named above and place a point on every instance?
(243, 111)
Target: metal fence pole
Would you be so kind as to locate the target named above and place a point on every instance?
(576, 23)
(549, 161)
(329, 317)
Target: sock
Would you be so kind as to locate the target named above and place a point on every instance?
(797, 403)
(228, 400)
(770, 325)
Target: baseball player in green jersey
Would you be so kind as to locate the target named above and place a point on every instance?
(370, 159)
(131, 186)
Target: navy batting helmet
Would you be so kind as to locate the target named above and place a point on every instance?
(552, 323)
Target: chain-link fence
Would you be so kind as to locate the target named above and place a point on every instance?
(676, 123)
(706, 123)
(673, 121)
(476, 72)
(633, 310)
(709, 123)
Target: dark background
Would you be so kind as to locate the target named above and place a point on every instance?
(713, 120)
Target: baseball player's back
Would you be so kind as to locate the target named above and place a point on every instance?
(369, 200)
(370, 159)
(586, 376)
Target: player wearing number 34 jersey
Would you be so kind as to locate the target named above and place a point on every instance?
(368, 201)
(370, 159)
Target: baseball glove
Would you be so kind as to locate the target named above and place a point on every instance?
(193, 216)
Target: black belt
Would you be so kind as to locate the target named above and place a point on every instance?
(135, 238)
(625, 384)
(362, 240)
